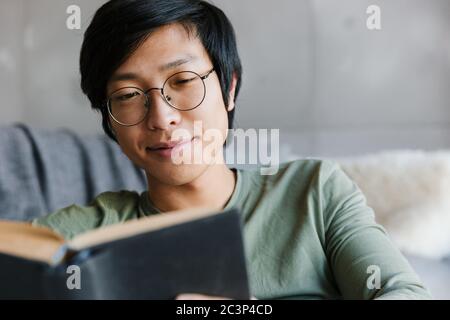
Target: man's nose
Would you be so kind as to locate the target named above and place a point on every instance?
(160, 114)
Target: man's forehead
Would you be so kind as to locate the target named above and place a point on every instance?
(173, 35)
(177, 62)
(166, 48)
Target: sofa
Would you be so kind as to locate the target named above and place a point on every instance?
(42, 170)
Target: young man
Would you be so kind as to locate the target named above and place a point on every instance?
(155, 68)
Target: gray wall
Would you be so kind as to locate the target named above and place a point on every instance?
(38, 65)
(311, 69)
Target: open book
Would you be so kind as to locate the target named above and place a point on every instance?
(156, 257)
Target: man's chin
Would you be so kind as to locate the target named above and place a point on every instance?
(175, 175)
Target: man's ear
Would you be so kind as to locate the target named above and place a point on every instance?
(232, 93)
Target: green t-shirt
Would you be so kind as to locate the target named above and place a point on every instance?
(308, 233)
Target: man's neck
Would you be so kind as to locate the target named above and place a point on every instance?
(212, 189)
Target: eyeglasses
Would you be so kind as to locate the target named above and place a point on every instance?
(183, 91)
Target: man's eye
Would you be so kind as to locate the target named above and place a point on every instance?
(184, 81)
(127, 96)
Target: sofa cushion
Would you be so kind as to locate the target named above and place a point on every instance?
(409, 192)
(44, 170)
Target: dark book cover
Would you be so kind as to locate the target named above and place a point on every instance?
(204, 256)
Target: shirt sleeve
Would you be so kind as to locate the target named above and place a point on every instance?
(365, 263)
(72, 220)
(106, 209)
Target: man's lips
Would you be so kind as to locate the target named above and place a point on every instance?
(168, 145)
(165, 149)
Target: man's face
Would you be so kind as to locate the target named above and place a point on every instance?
(168, 50)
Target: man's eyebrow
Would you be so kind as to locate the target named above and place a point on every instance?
(170, 65)
(124, 76)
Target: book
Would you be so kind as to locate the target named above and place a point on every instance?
(156, 257)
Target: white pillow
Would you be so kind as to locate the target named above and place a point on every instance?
(410, 194)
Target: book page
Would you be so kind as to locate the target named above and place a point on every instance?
(21, 239)
(138, 226)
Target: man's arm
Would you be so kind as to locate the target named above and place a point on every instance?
(365, 263)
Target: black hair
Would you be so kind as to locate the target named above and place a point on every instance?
(119, 27)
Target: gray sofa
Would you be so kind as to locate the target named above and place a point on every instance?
(43, 170)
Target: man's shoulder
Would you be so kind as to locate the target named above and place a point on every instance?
(324, 166)
(106, 209)
(303, 169)
(117, 199)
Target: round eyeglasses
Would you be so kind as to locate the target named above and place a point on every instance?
(183, 91)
